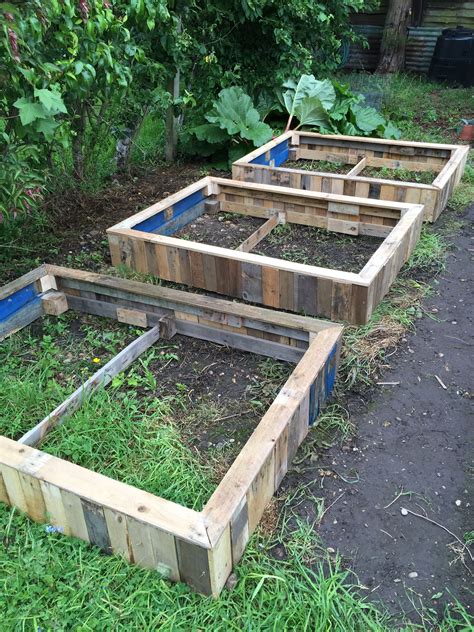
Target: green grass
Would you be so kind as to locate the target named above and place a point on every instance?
(119, 435)
(429, 254)
(326, 166)
(51, 582)
(38, 371)
(402, 175)
(423, 110)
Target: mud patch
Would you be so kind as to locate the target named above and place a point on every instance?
(412, 450)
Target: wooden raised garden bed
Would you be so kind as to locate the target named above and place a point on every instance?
(145, 243)
(439, 166)
(198, 548)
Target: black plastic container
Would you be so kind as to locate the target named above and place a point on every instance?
(453, 57)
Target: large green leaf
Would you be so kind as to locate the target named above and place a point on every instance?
(210, 132)
(52, 101)
(367, 119)
(30, 111)
(234, 112)
(307, 86)
(311, 113)
(389, 130)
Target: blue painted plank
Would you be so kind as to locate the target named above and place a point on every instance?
(154, 223)
(278, 154)
(16, 301)
(330, 371)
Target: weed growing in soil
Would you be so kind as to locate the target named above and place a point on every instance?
(402, 175)
(429, 255)
(121, 436)
(464, 193)
(325, 166)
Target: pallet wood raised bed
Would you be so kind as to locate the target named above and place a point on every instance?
(143, 242)
(266, 165)
(199, 548)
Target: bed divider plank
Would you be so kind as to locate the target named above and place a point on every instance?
(266, 165)
(277, 283)
(196, 547)
(101, 378)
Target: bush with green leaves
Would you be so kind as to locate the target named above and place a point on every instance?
(331, 108)
(233, 125)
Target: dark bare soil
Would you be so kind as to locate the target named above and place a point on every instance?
(318, 247)
(414, 438)
(75, 234)
(226, 391)
(301, 244)
(224, 230)
(318, 165)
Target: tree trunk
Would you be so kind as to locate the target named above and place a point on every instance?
(171, 124)
(392, 49)
(79, 127)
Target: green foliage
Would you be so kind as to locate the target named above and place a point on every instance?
(21, 181)
(332, 108)
(232, 122)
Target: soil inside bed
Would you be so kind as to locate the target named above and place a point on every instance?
(325, 166)
(292, 242)
(226, 230)
(400, 175)
(172, 424)
(318, 247)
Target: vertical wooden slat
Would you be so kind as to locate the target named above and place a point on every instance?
(239, 530)
(117, 527)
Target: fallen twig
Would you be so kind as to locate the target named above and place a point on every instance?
(438, 524)
(329, 506)
(395, 499)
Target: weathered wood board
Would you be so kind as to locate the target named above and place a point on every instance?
(144, 243)
(199, 548)
(266, 165)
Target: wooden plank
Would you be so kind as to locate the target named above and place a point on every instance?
(220, 562)
(54, 303)
(100, 379)
(117, 528)
(96, 525)
(239, 526)
(80, 483)
(240, 341)
(257, 236)
(360, 166)
(132, 317)
(172, 299)
(55, 512)
(258, 465)
(22, 318)
(193, 563)
(26, 279)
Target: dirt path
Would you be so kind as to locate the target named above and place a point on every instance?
(414, 436)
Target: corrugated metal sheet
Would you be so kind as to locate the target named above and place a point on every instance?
(420, 47)
(361, 58)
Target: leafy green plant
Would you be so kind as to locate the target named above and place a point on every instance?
(233, 121)
(21, 181)
(331, 108)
